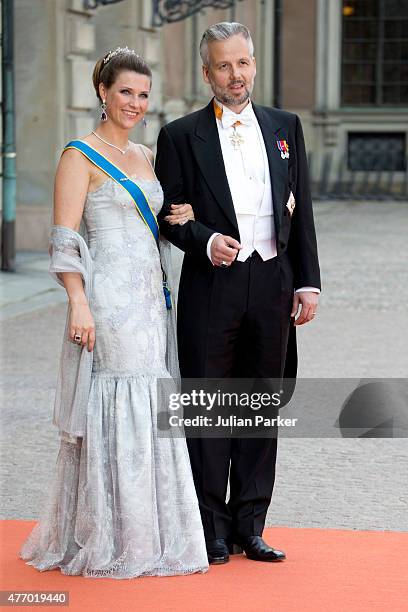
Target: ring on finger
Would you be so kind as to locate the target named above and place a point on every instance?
(224, 264)
(77, 338)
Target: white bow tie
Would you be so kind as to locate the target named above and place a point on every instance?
(229, 118)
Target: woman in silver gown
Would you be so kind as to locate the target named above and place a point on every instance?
(123, 502)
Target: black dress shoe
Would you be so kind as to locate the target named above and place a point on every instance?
(217, 551)
(257, 550)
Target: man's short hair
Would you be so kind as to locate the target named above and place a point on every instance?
(223, 31)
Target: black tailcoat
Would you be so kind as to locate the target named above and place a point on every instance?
(190, 167)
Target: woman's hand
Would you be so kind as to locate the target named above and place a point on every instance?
(180, 214)
(81, 324)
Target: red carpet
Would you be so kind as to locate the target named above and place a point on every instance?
(327, 570)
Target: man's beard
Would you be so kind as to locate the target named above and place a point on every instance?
(223, 97)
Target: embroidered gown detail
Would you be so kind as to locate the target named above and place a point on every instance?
(123, 502)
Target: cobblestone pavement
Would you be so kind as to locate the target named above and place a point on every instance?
(359, 333)
(30, 288)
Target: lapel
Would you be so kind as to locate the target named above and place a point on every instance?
(278, 168)
(206, 146)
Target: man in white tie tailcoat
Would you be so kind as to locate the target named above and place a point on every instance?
(250, 273)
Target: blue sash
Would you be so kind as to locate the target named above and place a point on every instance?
(139, 199)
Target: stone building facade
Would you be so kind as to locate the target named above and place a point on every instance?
(58, 41)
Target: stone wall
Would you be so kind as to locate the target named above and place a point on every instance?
(57, 43)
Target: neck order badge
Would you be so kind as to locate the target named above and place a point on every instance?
(139, 199)
(235, 138)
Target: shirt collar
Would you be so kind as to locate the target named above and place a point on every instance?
(228, 117)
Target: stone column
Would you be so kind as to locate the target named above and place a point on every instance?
(326, 122)
(39, 78)
(80, 94)
(54, 100)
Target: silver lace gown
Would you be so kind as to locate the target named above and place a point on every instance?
(123, 502)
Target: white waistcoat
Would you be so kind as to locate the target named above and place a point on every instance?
(249, 181)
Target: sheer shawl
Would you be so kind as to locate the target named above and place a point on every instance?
(69, 253)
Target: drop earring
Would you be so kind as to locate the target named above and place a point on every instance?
(144, 122)
(104, 116)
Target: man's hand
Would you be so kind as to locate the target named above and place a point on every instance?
(180, 214)
(224, 250)
(307, 300)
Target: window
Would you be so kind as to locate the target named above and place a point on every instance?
(376, 151)
(375, 53)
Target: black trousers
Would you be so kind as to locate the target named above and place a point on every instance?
(248, 326)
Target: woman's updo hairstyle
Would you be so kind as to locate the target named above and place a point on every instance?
(107, 68)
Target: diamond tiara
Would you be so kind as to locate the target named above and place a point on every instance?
(117, 51)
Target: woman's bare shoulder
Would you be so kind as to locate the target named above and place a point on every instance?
(72, 156)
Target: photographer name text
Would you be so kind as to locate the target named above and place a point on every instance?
(231, 421)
